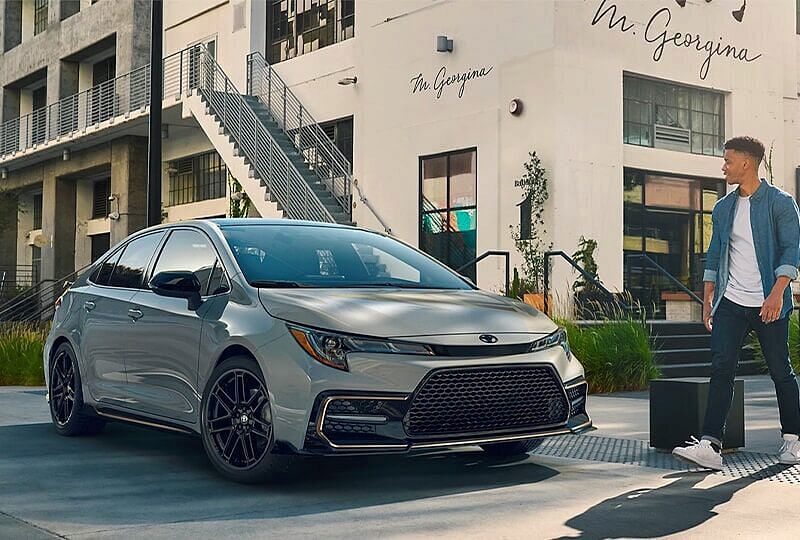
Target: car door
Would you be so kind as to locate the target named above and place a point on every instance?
(106, 305)
(161, 365)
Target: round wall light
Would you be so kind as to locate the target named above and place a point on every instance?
(515, 107)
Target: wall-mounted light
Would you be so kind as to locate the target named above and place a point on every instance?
(443, 44)
(113, 214)
(739, 13)
(515, 107)
(348, 81)
(3, 173)
(65, 155)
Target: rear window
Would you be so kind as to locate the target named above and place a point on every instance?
(308, 256)
(132, 265)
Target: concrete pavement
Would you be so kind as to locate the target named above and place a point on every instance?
(136, 483)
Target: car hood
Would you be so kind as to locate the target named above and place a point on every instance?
(407, 313)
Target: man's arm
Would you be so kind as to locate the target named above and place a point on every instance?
(787, 228)
(710, 273)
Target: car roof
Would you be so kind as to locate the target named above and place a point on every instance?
(220, 223)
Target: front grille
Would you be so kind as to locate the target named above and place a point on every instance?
(486, 399)
(577, 399)
(480, 350)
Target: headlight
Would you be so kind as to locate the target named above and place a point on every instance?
(332, 349)
(557, 338)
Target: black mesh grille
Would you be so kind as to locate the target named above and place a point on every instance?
(355, 406)
(348, 427)
(486, 399)
(577, 399)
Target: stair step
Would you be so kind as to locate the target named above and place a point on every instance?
(689, 356)
(750, 367)
(666, 328)
(681, 341)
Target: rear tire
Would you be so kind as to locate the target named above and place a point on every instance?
(513, 448)
(67, 409)
(236, 422)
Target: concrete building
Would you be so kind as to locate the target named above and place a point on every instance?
(627, 103)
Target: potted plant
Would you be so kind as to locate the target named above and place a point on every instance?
(529, 236)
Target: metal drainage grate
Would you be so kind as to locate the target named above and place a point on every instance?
(631, 452)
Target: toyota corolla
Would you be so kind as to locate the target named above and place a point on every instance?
(268, 337)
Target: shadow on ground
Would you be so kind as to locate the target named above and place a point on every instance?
(129, 476)
(674, 508)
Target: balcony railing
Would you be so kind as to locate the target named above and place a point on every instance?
(119, 97)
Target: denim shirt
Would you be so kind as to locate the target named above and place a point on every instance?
(775, 221)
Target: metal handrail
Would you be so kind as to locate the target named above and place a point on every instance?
(588, 277)
(323, 156)
(283, 180)
(107, 101)
(666, 273)
(489, 253)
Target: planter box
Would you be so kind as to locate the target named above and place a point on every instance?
(537, 300)
(681, 307)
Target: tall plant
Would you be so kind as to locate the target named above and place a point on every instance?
(239, 201)
(533, 247)
(584, 257)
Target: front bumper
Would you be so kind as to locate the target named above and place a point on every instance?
(379, 422)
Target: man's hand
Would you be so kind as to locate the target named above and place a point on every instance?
(771, 309)
(708, 320)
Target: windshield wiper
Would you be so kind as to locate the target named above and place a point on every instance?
(399, 285)
(274, 284)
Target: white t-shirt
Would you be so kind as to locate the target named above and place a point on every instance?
(744, 282)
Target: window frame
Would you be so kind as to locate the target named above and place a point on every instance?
(160, 249)
(189, 193)
(631, 97)
(421, 211)
(121, 250)
(40, 15)
(292, 35)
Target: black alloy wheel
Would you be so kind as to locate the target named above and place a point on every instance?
(237, 422)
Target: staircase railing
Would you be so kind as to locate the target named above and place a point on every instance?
(36, 303)
(663, 271)
(319, 151)
(506, 256)
(588, 277)
(283, 180)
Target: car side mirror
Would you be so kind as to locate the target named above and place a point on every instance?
(178, 284)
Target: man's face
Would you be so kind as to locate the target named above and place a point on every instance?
(735, 166)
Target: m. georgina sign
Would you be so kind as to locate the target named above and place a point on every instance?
(663, 36)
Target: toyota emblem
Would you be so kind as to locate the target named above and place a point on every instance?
(488, 338)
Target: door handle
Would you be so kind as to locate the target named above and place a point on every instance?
(135, 314)
(89, 305)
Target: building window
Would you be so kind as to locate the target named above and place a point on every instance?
(36, 264)
(39, 16)
(448, 208)
(667, 218)
(37, 211)
(100, 195)
(663, 115)
(197, 178)
(100, 244)
(341, 133)
(295, 28)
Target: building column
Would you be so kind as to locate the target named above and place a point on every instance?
(58, 226)
(8, 239)
(129, 186)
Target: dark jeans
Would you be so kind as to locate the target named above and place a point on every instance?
(731, 324)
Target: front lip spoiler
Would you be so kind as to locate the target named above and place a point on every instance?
(566, 429)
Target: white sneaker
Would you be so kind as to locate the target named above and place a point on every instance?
(699, 453)
(790, 450)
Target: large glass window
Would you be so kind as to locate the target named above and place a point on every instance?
(448, 209)
(191, 251)
(197, 178)
(332, 257)
(667, 218)
(129, 271)
(675, 117)
(296, 27)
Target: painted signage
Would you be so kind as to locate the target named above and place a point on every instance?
(444, 81)
(659, 33)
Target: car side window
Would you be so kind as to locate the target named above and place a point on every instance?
(129, 271)
(103, 272)
(191, 251)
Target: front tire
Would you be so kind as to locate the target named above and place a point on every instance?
(236, 422)
(513, 448)
(66, 396)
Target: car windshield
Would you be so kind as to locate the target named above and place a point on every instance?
(281, 256)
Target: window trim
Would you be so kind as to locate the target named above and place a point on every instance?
(160, 250)
(420, 208)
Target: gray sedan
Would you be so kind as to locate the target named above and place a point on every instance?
(273, 336)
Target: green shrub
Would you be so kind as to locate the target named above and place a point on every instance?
(794, 345)
(615, 354)
(21, 347)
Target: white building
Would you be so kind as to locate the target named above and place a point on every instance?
(626, 102)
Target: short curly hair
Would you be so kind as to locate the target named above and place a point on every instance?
(747, 145)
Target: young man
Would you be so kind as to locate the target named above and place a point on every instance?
(753, 256)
